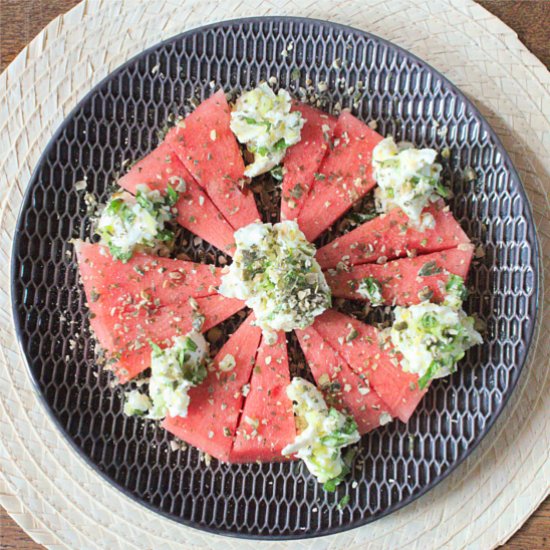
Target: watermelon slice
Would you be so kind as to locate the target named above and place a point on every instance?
(215, 405)
(209, 150)
(359, 345)
(133, 303)
(267, 423)
(156, 170)
(127, 337)
(343, 388)
(144, 279)
(345, 176)
(406, 281)
(196, 212)
(391, 236)
(302, 160)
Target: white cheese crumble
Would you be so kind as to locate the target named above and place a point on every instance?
(174, 371)
(407, 178)
(129, 224)
(433, 337)
(323, 433)
(275, 271)
(228, 363)
(264, 123)
(136, 403)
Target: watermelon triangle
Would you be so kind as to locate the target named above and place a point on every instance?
(302, 160)
(169, 321)
(216, 404)
(110, 283)
(391, 236)
(196, 212)
(267, 423)
(133, 303)
(345, 176)
(343, 388)
(207, 147)
(358, 344)
(401, 280)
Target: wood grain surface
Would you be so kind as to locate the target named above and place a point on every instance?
(21, 20)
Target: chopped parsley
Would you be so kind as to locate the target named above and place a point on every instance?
(429, 268)
(371, 289)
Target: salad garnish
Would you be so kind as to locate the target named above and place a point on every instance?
(407, 178)
(324, 432)
(274, 269)
(137, 223)
(174, 371)
(265, 123)
(433, 337)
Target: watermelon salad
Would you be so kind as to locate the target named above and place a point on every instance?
(151, 312)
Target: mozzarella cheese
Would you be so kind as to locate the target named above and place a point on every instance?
(432, 338)
(407, 178)
(136, 403)
(324, 432)
(128, 224)
(174, 371)
(264, 122)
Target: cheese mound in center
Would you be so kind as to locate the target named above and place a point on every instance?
(275, 271)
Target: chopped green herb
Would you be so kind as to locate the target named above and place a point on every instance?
(370, 288)
(280, 145)
(429, 268)
(331, 484)
(172, 195)
(344, 501)
(455, 285)
(297, 191)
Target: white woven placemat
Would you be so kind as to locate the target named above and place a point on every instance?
(51, 492)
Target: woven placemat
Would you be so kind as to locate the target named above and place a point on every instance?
(59, 500)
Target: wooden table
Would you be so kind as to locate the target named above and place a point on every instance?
(21, 20)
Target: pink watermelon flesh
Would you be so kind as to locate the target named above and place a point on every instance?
(358, 344)
(391, 236)
(175, 320)
(302, 160)
(133, 303)
(215, 405)
(196, 212)
(137, 289)
(160, 167)
(267, 422)
(343, 388)
(345, 176)
(402, 281)
(205, 144)
(144, 279)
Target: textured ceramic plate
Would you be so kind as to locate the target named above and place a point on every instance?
(120, 120)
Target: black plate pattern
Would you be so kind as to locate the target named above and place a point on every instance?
(120, 120)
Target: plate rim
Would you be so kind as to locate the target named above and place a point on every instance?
(531, 236)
